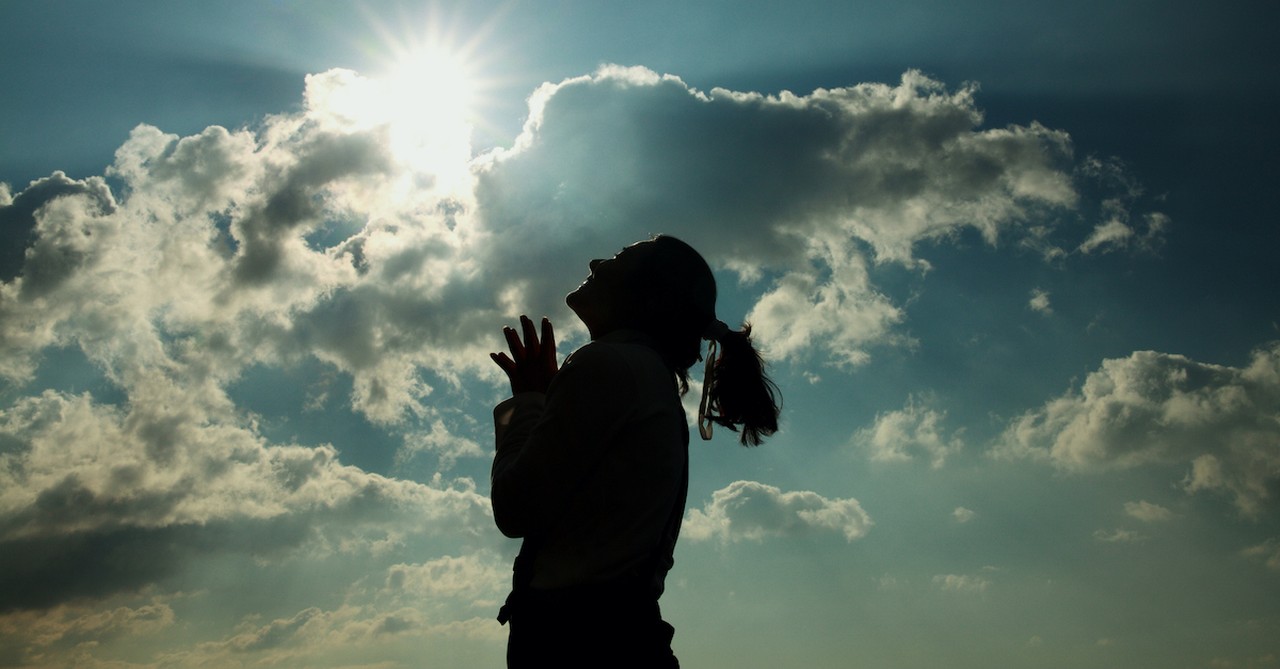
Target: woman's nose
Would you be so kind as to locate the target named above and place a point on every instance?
(594, 263)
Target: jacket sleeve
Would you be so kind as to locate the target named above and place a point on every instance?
(547, 444)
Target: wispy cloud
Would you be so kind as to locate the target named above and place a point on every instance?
(962, 583)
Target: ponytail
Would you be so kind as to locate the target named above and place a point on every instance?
(671, 296)
(736, 391)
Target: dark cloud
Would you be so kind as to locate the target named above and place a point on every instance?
(627, 152)
(298, 200)
(91, 508)
(44, 571)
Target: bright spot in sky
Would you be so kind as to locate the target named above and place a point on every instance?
(424, 102)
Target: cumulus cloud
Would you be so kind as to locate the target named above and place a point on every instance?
(18, 226)
(439, 440)
(901, 435)
(1222, 422)
(788, 189)
(752, 511)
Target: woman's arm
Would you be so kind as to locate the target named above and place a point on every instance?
(547, 444)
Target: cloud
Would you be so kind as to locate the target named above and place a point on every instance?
(962, 583)
(318, 233)
(1040, 302)
(446, 445)
(751, 511)
(1117, 231)
(66, 627)
(1147, 512)
(897, 436)
(18, 227)
(402, 613)
(1119, 536)
(96, 500)
(1152, 408)
(794, 190)
(1267, 552)
(963, 515)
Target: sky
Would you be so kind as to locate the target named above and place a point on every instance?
(1012, 264)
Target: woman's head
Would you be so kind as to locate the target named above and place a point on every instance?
(665, 289)
(659, 286)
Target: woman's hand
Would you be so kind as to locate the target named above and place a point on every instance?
(532, 364)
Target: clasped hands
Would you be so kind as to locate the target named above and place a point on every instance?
(532, 363)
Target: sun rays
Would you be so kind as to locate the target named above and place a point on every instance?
(425, 91)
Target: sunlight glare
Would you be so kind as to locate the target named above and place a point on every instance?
(424, 102)
(427, 99)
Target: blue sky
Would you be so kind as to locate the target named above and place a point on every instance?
(1013, 264)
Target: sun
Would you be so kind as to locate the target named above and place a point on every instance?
(429, 87)
(423, 99)
(427, 100)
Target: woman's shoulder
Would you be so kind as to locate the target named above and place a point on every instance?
(620, 350)
(598, 355)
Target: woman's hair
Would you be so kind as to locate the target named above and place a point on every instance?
(674, 298)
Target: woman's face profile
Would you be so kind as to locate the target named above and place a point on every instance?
(600, 301)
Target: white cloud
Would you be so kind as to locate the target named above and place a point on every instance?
(1040, 302)
(472, 577)
(897, 436)
(1147, 512)
(963, 515)
(1117, 232)
(442, 442)
(1222, 422)
(747, 510)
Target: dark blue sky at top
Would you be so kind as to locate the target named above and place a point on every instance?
(184, 65)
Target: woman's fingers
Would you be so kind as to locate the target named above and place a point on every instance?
(513, 343)
(531, 345)
(548, 343)
(532, 362)
(507, 364)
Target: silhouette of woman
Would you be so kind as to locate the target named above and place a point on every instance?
(592, 466)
